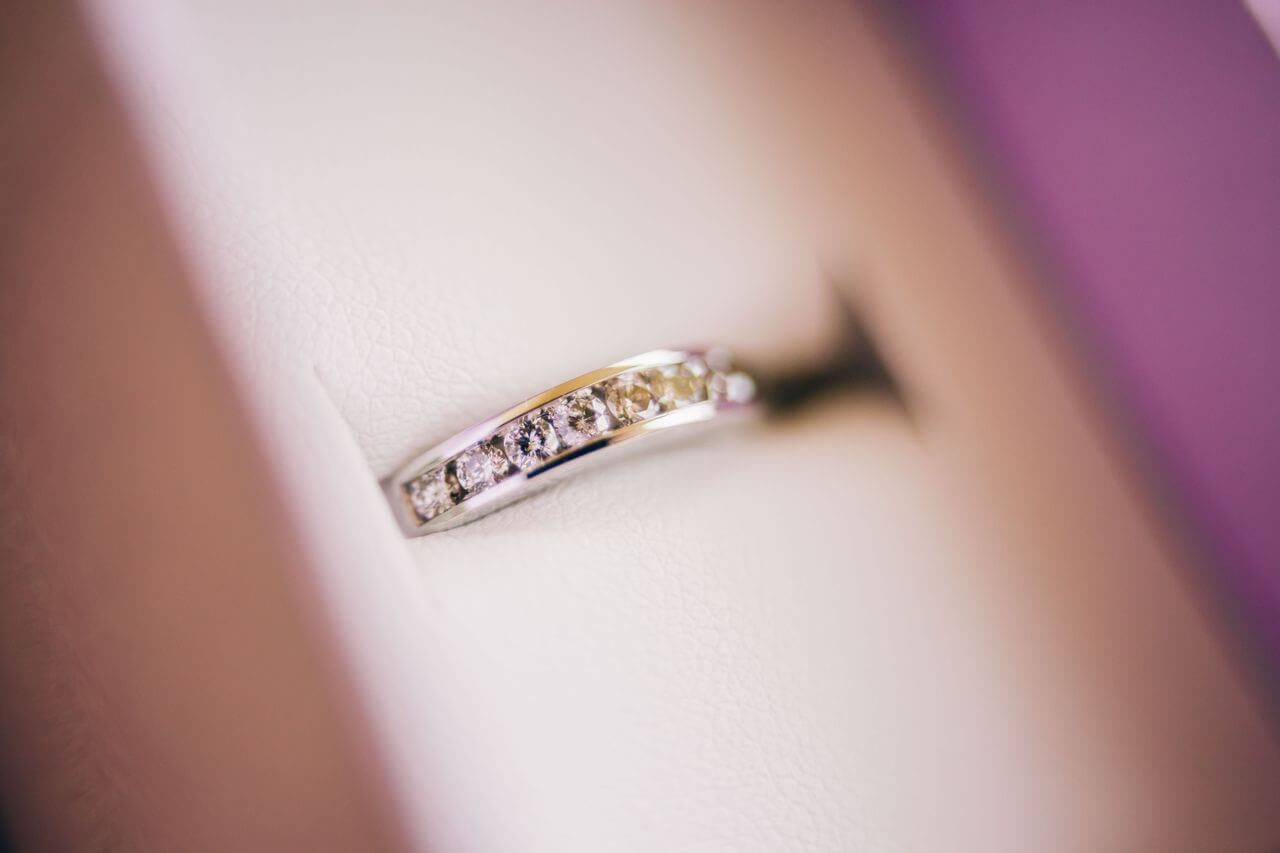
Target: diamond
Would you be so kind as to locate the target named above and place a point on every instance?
(580, 416)
(630, 398)
(430, 494)
(480, 467)
(680, 385)
(736, 387)
(530, 440)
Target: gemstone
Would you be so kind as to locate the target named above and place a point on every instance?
(631, 398)
(580, 416)
(480, 467)
(530, 440)
(430, 494)
(679, 385)
(734, 387)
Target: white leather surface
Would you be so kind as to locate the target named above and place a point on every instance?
(792, 638)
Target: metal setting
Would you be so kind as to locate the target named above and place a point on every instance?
(514, 453)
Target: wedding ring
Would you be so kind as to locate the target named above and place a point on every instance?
(512, 454)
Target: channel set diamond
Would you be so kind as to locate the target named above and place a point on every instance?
(732, 387)
(680, 384)
(430, 494)
(480, 467)
(631, 398)
(530, 440)
(579, 417)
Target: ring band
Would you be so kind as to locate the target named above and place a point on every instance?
(512, 454)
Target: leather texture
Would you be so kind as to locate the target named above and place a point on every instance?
(799, 636)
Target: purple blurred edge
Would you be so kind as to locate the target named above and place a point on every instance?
(1135, 146)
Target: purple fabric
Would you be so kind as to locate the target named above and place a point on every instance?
(1138, 141)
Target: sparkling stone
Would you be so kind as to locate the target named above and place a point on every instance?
(679, 385)
(732, 387)
(631, 398)
(480, 467)
(530, 440)
(579, 417)
(430, 494)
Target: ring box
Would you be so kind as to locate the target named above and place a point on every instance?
(273, 254)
